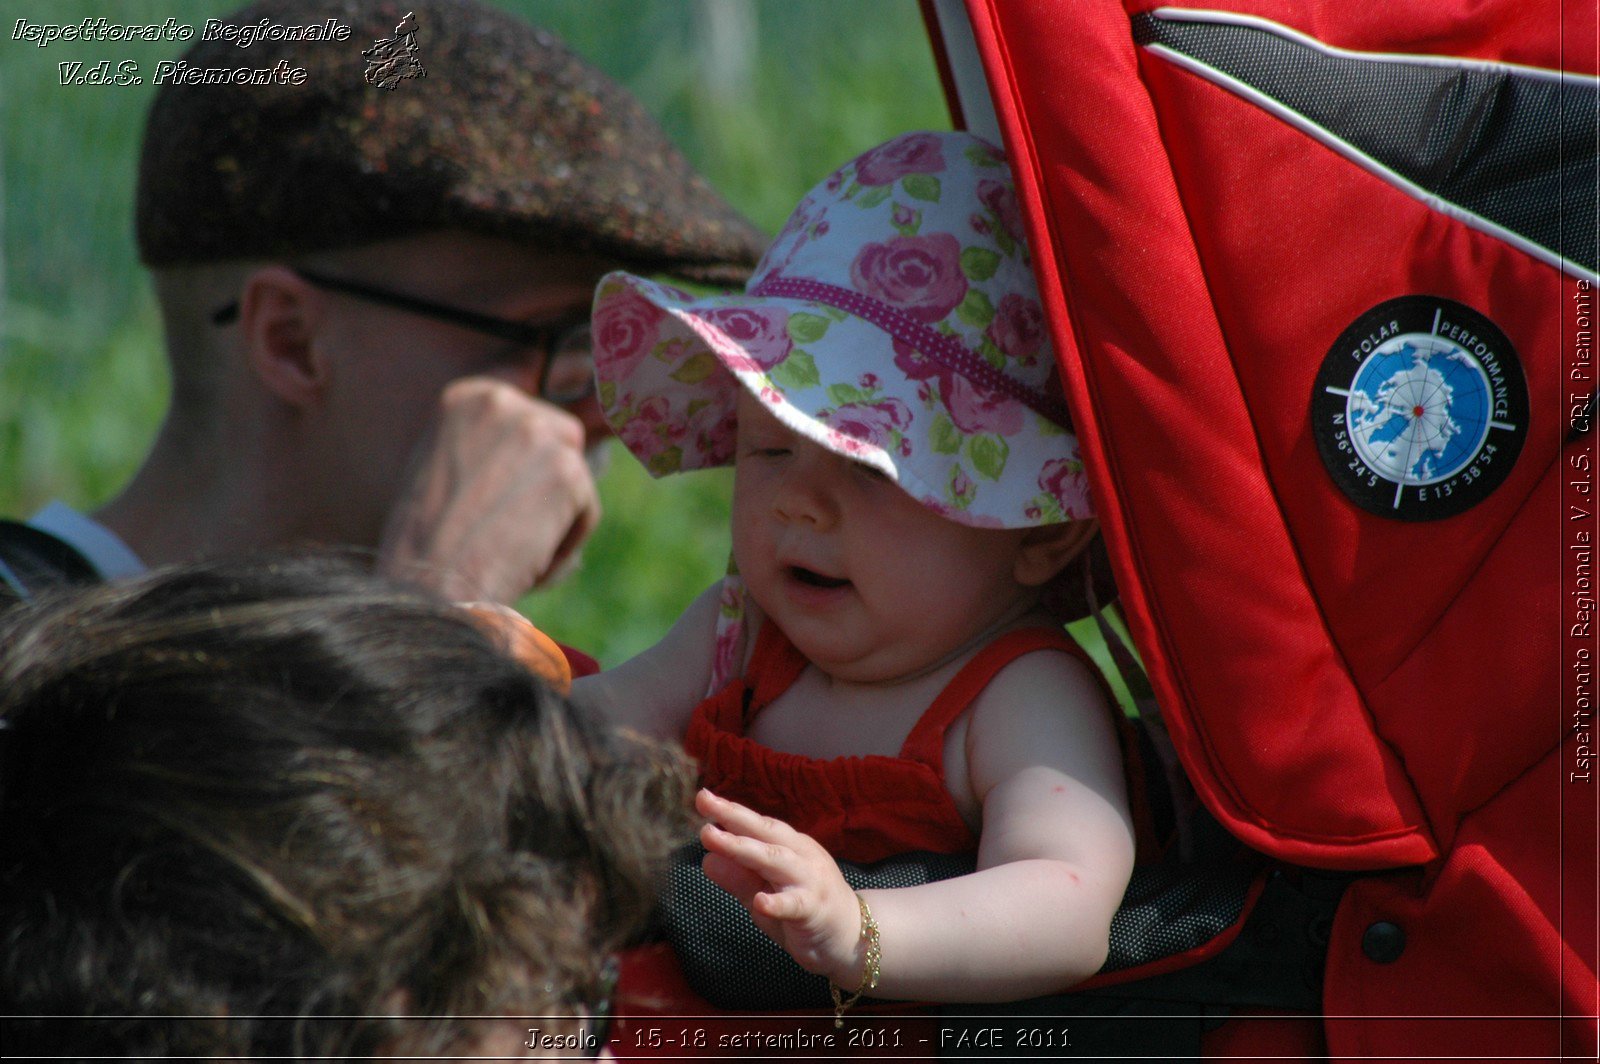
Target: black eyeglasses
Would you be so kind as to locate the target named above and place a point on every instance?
(567, 375)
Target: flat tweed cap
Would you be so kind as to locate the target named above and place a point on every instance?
(507, 133)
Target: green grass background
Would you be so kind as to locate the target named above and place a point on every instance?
(766, 96)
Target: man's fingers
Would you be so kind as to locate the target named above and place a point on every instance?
(584, 498)
(498, 497)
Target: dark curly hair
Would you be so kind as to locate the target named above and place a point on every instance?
(261, 808)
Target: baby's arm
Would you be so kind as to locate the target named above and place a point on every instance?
(656, 690)
(1053, 861)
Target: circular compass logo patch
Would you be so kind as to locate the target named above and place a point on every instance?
(1420, 408)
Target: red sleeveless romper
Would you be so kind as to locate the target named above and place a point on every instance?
(861, 809)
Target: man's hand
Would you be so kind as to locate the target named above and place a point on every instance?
(499, 497)
(793, 889)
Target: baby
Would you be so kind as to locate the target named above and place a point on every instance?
(881, 676)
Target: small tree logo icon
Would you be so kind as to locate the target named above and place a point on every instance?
(392, 60)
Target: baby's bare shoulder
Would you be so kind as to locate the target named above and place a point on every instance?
(1052, 687)
(1045, 709)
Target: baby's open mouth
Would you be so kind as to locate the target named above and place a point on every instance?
(815, 579)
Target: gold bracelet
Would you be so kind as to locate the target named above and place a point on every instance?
(869, 971)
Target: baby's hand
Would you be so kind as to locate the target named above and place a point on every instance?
(793, 889)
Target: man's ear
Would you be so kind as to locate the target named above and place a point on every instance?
(280, 316)
(1047, 549)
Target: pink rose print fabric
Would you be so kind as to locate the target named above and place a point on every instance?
(1063, 480)
(749, 338)
(624, 328)
(916, 153)
(1000, 199)
(906, 333)
(1018, 328)
(727, 658)
(971, 408)
(920, 274)
(882, 424)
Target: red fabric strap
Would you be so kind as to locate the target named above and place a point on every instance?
(773, 666)
(926, 741)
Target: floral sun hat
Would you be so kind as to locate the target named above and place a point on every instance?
(895, 321)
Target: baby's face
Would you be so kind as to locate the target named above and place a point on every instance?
(868, 583)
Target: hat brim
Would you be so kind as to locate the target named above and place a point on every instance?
(671, 366)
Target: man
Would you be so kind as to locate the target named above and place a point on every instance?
(375, 282)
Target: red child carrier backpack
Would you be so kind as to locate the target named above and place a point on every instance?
(1321, 276)
(1321, 279)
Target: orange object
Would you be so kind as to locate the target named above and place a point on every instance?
(522, 640)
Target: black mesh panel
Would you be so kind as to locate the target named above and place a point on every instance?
(1516, 148)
